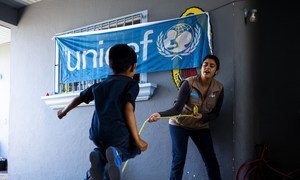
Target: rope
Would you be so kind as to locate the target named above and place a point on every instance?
(163, 117)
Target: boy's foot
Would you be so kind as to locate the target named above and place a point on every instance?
(95, 171)
(88, 176)
(114, 163)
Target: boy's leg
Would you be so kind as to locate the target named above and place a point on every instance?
(128, 149)
(97, 164)
(114, 164)
(119, 153)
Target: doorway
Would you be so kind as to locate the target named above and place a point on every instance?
(5, 39)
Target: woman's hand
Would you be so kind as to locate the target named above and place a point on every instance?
(154, 117)
(197, 115)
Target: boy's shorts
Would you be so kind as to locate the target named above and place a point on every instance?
(126, 148)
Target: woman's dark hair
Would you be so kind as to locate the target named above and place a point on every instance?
(213, 57)
(121, 57)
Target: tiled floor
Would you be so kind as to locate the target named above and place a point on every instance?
(3, 175)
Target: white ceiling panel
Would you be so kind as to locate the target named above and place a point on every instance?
(27, 2)
(4, 35)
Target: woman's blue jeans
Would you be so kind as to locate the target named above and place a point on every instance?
(203, 141)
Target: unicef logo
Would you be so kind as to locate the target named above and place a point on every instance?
(180, 40)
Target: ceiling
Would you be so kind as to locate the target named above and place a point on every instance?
(7, 7)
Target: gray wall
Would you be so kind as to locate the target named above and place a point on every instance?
(244, 123)
(44, 147)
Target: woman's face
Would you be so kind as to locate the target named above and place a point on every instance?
(208, 69)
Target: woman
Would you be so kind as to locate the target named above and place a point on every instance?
(204, 94)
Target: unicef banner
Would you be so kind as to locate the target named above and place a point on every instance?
(161, 46)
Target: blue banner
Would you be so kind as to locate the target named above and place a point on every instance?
(179, 43)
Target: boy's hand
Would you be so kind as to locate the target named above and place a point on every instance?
(154, 117)
(60, 114)
(142, 145)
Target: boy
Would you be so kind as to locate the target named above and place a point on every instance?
(113, 129)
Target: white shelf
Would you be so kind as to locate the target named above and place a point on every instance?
(58, 101)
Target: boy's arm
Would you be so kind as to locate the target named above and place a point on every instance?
(131, 122)
(74, 103)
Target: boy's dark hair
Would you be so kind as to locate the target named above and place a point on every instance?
(215, 58)
(121, 57)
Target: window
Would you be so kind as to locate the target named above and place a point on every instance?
(127, 20)
(64, 93)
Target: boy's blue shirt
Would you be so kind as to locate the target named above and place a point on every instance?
(108, 123)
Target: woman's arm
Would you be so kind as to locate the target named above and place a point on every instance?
(183, 95)
(215, 111)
